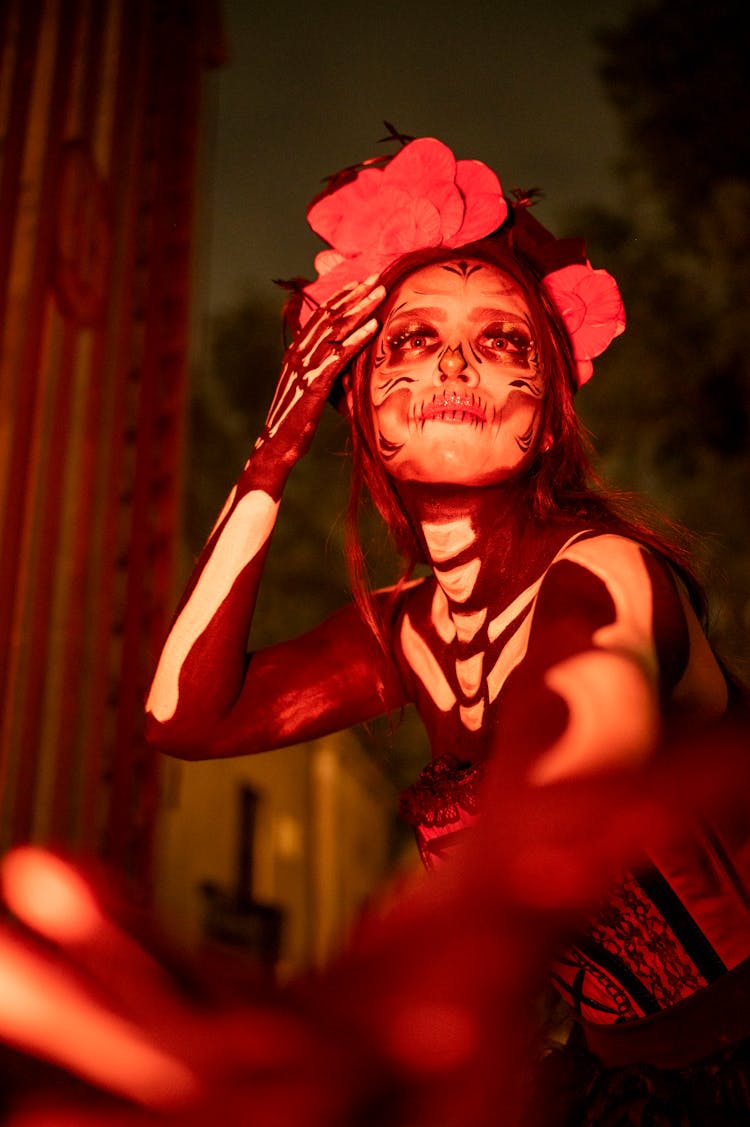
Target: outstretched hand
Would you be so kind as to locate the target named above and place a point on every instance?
(423, 1020)
(313, 361)
(80, 991)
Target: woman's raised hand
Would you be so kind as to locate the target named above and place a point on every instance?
(316, 356)
(196, 702)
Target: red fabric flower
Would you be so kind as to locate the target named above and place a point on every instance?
(422, 198)
(590, 304)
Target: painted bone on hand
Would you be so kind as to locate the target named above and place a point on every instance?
(316, 356)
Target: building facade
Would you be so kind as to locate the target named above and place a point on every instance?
(100, 108)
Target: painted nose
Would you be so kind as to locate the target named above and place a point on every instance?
(453, 366)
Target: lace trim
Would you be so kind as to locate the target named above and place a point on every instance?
(629, 925)
(444, 788)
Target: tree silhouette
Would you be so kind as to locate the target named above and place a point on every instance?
(670, 408)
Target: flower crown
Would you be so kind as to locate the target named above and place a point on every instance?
(372, 214)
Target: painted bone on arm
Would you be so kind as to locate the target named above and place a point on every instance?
(606, 643)
(203, 682)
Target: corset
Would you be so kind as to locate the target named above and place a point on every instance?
(441, 806)
(676, 922)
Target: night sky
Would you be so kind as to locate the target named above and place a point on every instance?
(308, 85)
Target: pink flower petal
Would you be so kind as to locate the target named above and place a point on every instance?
(591, 306)
(353, 269)
(425, 169)
(570, 305)
(416, 224)
(452, 208)
(391, 222)
(341, 216)
(425, 198)
(585, 371)
(326, 260)
(486, 209)
(420, 165)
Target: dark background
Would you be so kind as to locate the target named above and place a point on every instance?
(308, 85)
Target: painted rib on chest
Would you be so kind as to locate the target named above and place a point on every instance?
(446, 541)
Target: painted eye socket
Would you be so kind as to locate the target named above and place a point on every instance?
(411, 338)
(505, 337)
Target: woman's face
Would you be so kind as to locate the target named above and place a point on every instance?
(456, 387)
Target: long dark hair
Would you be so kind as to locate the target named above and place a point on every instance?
(562, 483)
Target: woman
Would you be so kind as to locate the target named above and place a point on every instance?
(553, 638)
(551, 650)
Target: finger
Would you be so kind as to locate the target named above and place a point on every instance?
(52, 898)
(322, 314)
(47, 1011)
(365, 303)
(364, 333)
(339, 353)
(354, 289)
(329, 357)
(49, 896)
(349, 335)
(355, 305)
(308, 334)
(339, 315)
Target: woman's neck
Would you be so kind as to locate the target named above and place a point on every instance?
(471, 535)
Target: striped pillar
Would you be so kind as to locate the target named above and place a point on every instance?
(99, 114)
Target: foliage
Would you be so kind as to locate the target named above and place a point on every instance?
(676, 71)
(670, 407)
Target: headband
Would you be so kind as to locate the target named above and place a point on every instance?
(372, 214)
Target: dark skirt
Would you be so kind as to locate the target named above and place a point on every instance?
(574, 1089)
(688, 1066)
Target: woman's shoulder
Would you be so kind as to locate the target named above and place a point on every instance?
(630, 597)
(635, 578)
(606, 551)
(611, 550)
(575, 554)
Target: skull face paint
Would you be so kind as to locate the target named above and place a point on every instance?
(456, 386)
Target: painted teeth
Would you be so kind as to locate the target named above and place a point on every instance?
(454, 413)
(452, 402)
(454, 407)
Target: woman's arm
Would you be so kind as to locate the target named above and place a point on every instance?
(330, 678)
(204, 690)
(608, 641)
